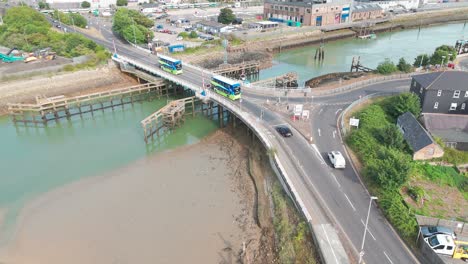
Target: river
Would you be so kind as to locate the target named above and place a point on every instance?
(338, 54)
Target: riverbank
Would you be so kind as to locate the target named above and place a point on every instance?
(66, 83)
(152, 209)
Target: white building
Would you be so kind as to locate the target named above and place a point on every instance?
(388, 5)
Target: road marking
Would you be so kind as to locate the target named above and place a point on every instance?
(321, 110)
(349, 201)
(319, 132)
(317, 153)
(329, 243)
(368, 230)
(336, 180)
(337, 111)
(334, 133)
(283, 124)
(388, 257)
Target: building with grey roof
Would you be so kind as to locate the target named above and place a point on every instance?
(366, 11)
(421, 142)
(444, 99)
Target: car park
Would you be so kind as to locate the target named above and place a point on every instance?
(441, 244)
(337, 159)
(428, 231)
(284, 131)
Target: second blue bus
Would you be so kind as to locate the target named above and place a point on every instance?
(226, 87)
(169, 64)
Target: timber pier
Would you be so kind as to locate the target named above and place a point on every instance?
(46, 109)
(251, 69)
(288, 80)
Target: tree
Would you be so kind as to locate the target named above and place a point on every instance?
(43, 5)
(386, 67)
(404, 66)
(193, 34)
(398, 213)
(373, 117)
(390, 168)
(226, 16)
(122, 3)
(391, 137)
(405, 102)
(443, 54)
(85, 4)
(127, 21)
(421, 60)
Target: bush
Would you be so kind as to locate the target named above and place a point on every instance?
(193, 34)
(443, 54)
(386, 67)
(85, 4)
(416, 192)
(390, 168)
(404, 66)
(391, 137)
(132, 26)
(373, 117)
(398, 213)
(70, 19)
(226, 16)
(122, 3)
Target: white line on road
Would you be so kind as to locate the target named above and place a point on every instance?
(317, 153)
(368, 230)
(349, 201)
(336, 180)
(329, 243)
(319, 132)
(334, 133)
(388, 257)
(321, 110)
(337, 111)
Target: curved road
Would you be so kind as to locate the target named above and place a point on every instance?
(341, 191)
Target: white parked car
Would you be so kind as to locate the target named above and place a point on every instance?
(179, 38)
(441, 244)
(337, 160)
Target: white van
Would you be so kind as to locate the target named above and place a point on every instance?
(441, 244)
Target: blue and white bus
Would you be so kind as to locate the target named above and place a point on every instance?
(171, 65)
(226, 87)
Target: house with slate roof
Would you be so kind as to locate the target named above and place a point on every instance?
(444, 99)
(421, 142)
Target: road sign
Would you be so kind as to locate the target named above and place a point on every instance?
(354, 122)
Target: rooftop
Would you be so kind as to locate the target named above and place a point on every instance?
(451, 128)
(366, 7)
(445, 80)
(308, 3)
(415, 135)
(211, 24)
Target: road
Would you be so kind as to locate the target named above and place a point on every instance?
(341, 191)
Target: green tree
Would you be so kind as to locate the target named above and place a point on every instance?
(122, 3)
(386, 67)
(421, 60)
(193, 34)
(404, 66)
(226, 16)
(127, 21)
(390, 168)
(391, 137)
(43, 5)
(443, 54)
(398, 213)
(85, 4)
(373, 117)
(405, 102)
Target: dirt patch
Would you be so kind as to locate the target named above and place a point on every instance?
(74, 83)
(440, 201)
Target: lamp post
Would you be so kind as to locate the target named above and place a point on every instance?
(134, 35)
(361, 254)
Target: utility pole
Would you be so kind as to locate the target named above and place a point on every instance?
(134, 34)
(361, 254)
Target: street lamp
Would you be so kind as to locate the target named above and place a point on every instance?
(361, 254)
(134, 35)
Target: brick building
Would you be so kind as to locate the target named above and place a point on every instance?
(308, 13)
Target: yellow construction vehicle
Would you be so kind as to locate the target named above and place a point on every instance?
(461, 250)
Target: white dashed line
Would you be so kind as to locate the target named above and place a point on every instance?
(368, 230)
(321, 110)
(329, 243)
(349, 201)
(388, 257)
(318, 130)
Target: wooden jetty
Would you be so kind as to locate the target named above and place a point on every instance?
(237, 70)
(357, 66)
(53, 108)
(288, 80)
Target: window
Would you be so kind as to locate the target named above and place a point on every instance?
(456, 94)
(466, 94)
(449, 247)
(308, 11)
(439, 92)
(463, 106)
(453, 107)
(297, 9)
(440, 247)
(436, 105)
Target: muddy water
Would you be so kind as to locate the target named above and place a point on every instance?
(173, 207)
(34, 161)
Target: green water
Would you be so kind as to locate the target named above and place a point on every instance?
(338, 54)
(36, 160)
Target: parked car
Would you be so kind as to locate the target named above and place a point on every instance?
(206, 37)
(179, 38)
(337, 159)
(441, 244)
(159, 26)
(188, 29)
(284, 131)
(428, 231)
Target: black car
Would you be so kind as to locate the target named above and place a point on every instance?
(284, 131)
